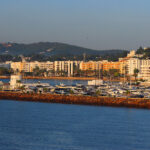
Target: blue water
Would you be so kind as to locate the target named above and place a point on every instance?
(51, 82)
(45, 126)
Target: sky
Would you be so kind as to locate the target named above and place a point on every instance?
(96, 24)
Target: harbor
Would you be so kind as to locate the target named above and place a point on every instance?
(81, 100)
(93, 92)
(94, 88)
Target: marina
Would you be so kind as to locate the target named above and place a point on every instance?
(80, 99)
(71, 87)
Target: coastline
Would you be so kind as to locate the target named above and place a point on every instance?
(53, 78)
(80, 100)
(62, 78)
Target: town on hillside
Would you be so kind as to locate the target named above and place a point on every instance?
(127, 77)
(134, 65)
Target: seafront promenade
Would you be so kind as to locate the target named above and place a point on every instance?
(81, 100)
(64, 78)
(52, 78)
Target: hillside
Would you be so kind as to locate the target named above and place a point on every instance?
(49, 48)
(144, 51)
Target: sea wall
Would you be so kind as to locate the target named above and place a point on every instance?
(52, 78)
(64, 78)
(71, 99)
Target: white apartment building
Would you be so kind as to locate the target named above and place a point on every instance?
(133, 63)
(131, 53)
(29, 66)
(16, 66)
(70, 68)
(42, 65)
(145, 69)
(143, 65)
(66, 66)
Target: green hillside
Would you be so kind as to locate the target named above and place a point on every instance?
(144, 51)
(57, 50)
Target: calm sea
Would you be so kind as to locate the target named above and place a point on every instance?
(51, 82)
(45, 126)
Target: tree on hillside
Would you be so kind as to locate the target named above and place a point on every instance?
(140, 50)
(4, 71)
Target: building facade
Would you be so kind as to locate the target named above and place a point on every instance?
(143, 65)
(90, 65)
(111, 65)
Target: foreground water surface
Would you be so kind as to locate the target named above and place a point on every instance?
(45, 126)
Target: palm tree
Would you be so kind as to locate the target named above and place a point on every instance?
(125, 73)
(36, 71)
(17, 71)
(136, 71)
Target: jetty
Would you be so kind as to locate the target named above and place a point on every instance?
(81, 100)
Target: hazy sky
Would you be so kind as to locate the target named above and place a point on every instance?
(97, 24)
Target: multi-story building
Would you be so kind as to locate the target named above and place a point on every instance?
(29, 66)
(143, 65)
(145, 69)
(111, 65)
(131, 54)
(16, 66)
(125, 65)
(57, 66)
(65, 66)
(41, 65)
(91, 65)
(124, 62)
(132, 64)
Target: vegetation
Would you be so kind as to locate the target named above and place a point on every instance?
(140, 50)
(128, 92)
(42, 58)
(39, 72)
(5, 71)
(98, 92)
(4, 58)
(136, 71)
(45, 51)
(22, 88)
(145, 52)
(111, 74)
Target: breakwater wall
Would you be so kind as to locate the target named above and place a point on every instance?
(65, 78)
(52, 78)
(82, 100)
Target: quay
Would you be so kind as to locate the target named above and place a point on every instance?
(81, 100)
(62, 78)
(51, 78)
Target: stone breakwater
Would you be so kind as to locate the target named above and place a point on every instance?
(52, 78)
(64, 78)
(82, 100)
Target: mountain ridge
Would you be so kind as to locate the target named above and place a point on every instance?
(50, 49)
